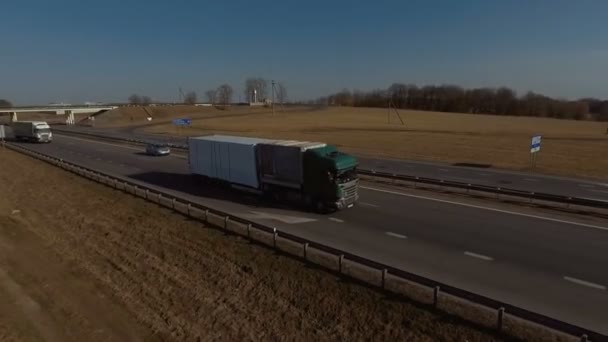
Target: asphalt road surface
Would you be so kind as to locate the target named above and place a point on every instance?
(555, 265)
(475, 175)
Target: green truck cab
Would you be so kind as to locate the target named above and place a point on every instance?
(330, 178)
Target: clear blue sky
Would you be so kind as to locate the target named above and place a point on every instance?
(76, 51)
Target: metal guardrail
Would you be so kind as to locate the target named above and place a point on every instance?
(172, 201)
(529, 196)
(113, 138)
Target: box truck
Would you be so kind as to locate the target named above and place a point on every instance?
(37, 131)
(312, 173)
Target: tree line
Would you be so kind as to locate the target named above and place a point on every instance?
(456, 99)
(223, 95)
(5, 103)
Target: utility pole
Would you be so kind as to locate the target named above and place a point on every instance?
(181, 95)
(272, 97)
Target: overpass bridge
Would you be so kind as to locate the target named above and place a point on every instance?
(58, 110)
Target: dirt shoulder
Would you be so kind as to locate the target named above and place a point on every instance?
(82, 262)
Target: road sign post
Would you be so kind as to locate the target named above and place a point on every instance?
(534, 150)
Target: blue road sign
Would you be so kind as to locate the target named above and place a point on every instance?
(535, 146)
(182, 122)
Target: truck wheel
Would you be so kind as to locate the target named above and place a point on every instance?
(320, 207)
(308, 201)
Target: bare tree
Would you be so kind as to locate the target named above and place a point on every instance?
(190, 98)
(580, 110)
(397, 94)
(258, 84)
(210, 94)
(603, 111)
(5, 103)
(135, 99)
(455, 99)
(224, 94)
(146, 100)
(281, 93)
(505, 100)
(343, 98)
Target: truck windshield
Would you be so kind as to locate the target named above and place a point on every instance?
(346, 176)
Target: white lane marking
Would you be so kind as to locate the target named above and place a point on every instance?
(399, 236)
(444, 170)
(483, 174)
(365, 204)
(595, 199)
(586, 186)
(531, 179)
(487, 208)
(115, 145)
(336, 220)
(585, 283)
(479, 256)
(600, 191)
(282, 218)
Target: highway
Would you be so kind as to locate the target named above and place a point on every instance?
(545, 262)
(525, 181)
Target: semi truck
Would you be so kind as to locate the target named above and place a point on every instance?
(310, 173)
(36, 131)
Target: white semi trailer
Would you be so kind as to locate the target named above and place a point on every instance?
(36, 131)
(313, 173)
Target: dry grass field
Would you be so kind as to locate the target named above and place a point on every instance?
(69, 271)
(572, 148)
(136, 116)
